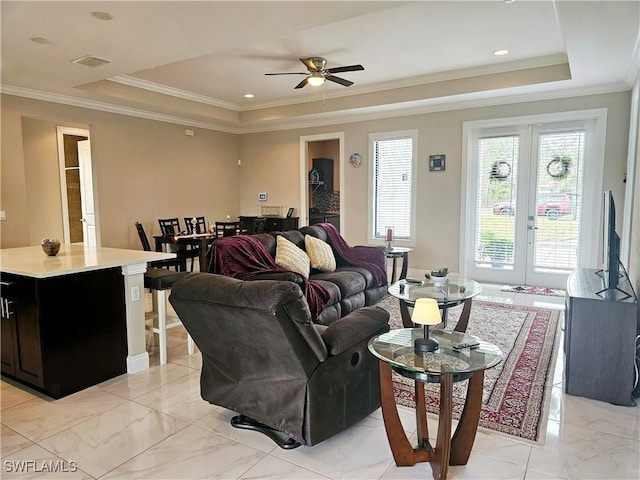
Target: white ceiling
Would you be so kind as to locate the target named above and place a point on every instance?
(191, 62)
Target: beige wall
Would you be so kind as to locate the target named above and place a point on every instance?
(267, 155)
(146, 169)
(143, 170)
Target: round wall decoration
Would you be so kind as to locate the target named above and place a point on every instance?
(558, 167)
(500, 170)
(355, 160)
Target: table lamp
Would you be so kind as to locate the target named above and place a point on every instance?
(426, 312)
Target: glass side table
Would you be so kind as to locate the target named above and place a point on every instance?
(395, 253)
(456, 290)
(395, 352)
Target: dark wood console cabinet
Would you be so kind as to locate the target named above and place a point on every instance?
(65, 333)
(599, 339)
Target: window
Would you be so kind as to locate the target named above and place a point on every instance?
(393, 159)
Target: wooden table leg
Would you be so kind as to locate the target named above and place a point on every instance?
(405, 266)
(393, 270)
(422, 431)
(462, 324)
(403, 453)
(440, 457)
(406, 316)
(202, 255)
(465, 434)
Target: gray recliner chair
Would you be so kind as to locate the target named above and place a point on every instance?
(262, 357)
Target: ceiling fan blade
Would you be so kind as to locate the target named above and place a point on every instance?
(341, 81)
(288, 73)
(348, 68)
(314, 63)
(302, 83)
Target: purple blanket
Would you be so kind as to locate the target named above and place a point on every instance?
(244, 257)
(371, 258)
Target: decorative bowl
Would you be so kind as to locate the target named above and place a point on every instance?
(438, 281)
(50, 246)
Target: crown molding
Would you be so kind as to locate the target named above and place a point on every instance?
(418, 107)
(111, 108)
(174, 92)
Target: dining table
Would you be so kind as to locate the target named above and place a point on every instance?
(200, 240)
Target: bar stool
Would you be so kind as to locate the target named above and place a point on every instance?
(159, 280)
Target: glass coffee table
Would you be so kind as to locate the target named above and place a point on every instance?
(455, 291)
(395, 352)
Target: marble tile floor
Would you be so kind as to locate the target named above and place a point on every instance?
(154, 425)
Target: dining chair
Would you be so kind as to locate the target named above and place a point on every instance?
(227, 229)
(171, 226)
(199, 226)
(180, 263)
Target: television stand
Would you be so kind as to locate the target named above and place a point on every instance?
(613, 293)
(599, 339)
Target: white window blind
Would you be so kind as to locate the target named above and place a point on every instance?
(496, 201)
(393, 163)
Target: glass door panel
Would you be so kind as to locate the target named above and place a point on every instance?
(496, 200)
(554, 217)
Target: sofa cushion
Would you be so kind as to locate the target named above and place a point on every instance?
(349, 283)
(290, 257)
(320, 254)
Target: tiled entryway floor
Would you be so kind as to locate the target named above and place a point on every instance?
(154, 425)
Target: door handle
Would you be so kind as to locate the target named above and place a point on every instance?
(533, 228)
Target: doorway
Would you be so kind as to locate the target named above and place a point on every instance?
(530, 208)
(76, 186)
(322, 184)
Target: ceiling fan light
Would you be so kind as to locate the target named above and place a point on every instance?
(316, 79)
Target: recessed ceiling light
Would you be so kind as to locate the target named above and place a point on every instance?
(40, 40)
(509, 1)
(501, 52)
(102, 15)
(248, 95)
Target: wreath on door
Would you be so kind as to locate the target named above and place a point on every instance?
(500, 170)
(558, 167)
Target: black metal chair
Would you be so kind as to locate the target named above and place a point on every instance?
(179, 263)
(171, 226)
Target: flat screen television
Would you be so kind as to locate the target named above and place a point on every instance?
(610, 244)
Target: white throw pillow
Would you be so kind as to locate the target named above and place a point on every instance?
(290, 257)
(320, 254)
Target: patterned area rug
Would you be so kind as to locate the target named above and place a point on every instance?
(517, 392)
(533, 290)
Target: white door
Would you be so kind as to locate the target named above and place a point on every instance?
(86, 194)
(527, 203)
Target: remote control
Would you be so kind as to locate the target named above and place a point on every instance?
(460, 346)
(412, 280)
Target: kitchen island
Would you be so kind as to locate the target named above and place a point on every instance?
(73, 320)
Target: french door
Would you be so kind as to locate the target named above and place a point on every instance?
(526, 190)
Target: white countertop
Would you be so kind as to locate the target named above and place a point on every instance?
(74, 258)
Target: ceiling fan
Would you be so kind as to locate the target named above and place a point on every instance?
(317, 73)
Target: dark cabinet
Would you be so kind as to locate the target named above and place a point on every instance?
(599, 339)
(332, 218)
(324, 166)
(65, 333)
(280, 224)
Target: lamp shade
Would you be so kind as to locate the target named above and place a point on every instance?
(426, 312)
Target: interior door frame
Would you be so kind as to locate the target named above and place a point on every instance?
(81, 132)
(304, 179)
(592, 187)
